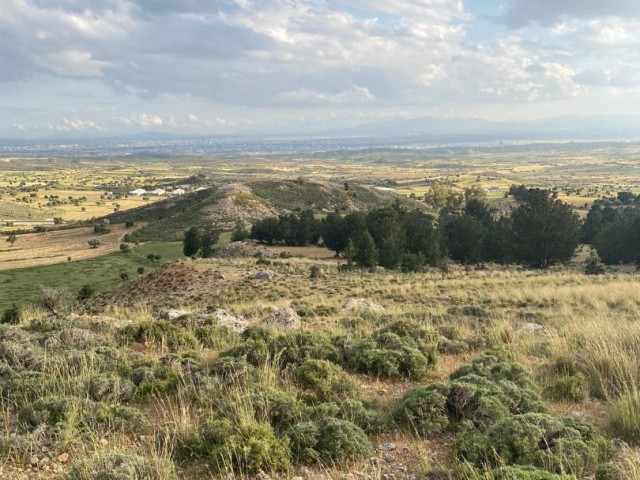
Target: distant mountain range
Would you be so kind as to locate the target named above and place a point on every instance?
(599, 127)
(423, 131)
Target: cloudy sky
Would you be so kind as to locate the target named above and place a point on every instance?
(97, 67)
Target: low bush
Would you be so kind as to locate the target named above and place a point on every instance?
(539, 440)
(121, 466)
(323, 381)
(331, 442)
(608, 471)
(403, 349)
(523, 473)
(288, 349)
(246, 448)
(159, 333)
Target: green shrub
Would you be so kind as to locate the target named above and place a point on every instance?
(423, 410)
(121, 466)
(492, 367)
(539, 440)
(522, 473)
(287, 349)
(246, 448)
(215, 336)
(160, 333)
(323, 381)
(608, 472)
(332, 442)
(403, 349)
(277, 407)
(106, 387)
(573, 388)
(11, 315)
(166, 375)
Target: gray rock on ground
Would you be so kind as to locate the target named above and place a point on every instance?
(173, 314)
(529, 328)
(362, 304)
(237, 323)
(285, 317)
(263, 275)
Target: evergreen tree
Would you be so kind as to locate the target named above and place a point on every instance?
(335, 233)
(546, 230)
(191, 242)
(208, 240)
(366, 254)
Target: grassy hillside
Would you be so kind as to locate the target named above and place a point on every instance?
(493, 374)
(228, 204)
(22, 286)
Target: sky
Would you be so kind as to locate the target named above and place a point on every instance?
(114, 67)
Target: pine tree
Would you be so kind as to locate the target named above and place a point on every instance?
(191, 243)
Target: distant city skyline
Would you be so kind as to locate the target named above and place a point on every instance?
(114, 67)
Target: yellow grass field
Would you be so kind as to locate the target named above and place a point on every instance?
(56, 247)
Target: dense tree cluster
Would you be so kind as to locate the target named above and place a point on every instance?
(541, 231)
(294, 230)
(614, 232)
(200, 241)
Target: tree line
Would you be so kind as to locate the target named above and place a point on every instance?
(540, 231)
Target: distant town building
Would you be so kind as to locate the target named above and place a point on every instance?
(177, 192)
(138, 192)
(159, 192)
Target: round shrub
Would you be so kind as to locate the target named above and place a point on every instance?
(323, 381)
(121, 466)
(539, 440)
(105, 387)
(523, 473)
(331, 442)
(277, 407)
(470, 399)
(423, 410)
(608, 472)
(246, 448)
(160, 333)
(340, 441)
(215, 336)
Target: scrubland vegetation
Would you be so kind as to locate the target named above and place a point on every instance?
(458, 333)
(500, 373)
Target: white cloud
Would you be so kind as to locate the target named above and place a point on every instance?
(144, 120)
(73, 63)
(214, 64)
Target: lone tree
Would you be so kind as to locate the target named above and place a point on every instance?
(93, 243)
(191, 243)
(12, 238)
(208, 240)
(546, 230)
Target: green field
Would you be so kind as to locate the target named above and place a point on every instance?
(22, 286)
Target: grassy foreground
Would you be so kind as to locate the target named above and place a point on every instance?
(478, 374)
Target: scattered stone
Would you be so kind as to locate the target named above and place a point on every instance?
(529, 328)
(387, 447)
(63, 457)
(389, 458)
(263, 275)
(33, 461)
(173, 314)
(363, 304)
(237, 323)
(285, 317)
(375, 461)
